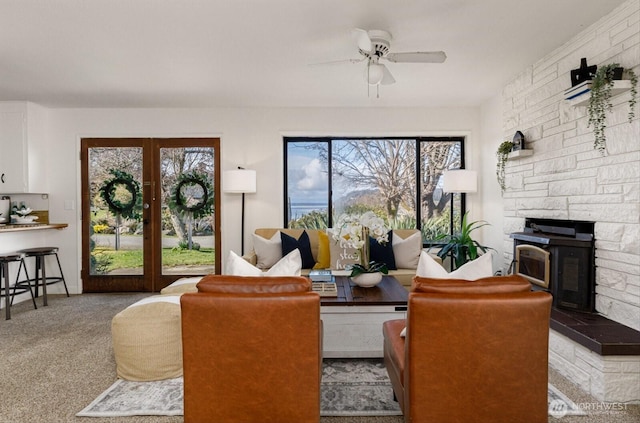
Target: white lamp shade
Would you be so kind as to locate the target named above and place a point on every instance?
(239, 181)
(460, 180)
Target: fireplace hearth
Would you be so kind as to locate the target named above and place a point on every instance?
(558, 256)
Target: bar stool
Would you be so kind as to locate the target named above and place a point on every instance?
(41, 279)
(5, 259)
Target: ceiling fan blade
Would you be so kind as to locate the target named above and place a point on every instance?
(387, 78)
(337, 62)
(417, 57)
(362, 38)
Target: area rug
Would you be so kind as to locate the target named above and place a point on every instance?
(356, 388)
(349, 388)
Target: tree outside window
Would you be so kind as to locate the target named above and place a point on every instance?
(326, 177)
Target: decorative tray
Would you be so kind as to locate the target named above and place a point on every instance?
(325, 289)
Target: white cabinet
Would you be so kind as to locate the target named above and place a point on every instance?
(22, 148)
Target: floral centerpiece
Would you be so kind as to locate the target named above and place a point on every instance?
(355, 231)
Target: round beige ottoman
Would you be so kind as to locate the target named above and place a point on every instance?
(147, 339)
(182, 286)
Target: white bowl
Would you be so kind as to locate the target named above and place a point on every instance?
(25, 219)
(367, 280)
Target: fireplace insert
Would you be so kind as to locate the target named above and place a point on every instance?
(558, 256)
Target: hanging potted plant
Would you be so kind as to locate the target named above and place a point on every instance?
(600, 100)
(503, 155)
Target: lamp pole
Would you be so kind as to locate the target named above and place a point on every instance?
(458, 181)
(242, 228)
(240, 181)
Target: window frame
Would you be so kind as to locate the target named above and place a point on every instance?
(328, 140)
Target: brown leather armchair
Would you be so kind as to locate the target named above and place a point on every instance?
(252, 350)
(473, 352)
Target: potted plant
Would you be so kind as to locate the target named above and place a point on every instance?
(600, 100)
(503, 155)
(460, 245)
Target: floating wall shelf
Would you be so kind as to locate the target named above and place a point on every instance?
(520, 153)
(619, 87)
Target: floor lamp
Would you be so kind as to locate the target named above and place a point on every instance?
(240, 181)
(460, 181)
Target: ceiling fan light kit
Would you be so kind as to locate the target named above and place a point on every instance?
(374, 73)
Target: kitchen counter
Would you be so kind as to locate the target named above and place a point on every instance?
(12, 227)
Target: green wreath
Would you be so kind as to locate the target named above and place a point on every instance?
(108, 192)
(181, 202)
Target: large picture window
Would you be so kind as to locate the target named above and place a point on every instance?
(400, 179)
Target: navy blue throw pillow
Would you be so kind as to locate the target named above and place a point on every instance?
(382, 253)
(303, 244)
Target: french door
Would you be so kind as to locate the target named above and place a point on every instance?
(150, 211)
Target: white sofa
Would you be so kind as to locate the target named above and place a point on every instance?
(406, 250)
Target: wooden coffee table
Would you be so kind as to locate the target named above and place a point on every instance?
(352, 321)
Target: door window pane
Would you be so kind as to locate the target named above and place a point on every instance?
(115, 182)
(188, 212)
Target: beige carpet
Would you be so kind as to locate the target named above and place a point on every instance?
(56, 360)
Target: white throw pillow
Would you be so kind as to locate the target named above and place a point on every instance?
(407, 251)
(482, 267)
(238, 266)
(289, 265)
(268, 251)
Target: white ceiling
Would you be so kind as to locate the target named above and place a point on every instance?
(203, 53)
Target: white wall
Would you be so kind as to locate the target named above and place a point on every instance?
(249, 137)
(489, 189)
(566, 178)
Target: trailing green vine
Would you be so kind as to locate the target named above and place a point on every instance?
(634, 93)
(503, 155)
(600, 101)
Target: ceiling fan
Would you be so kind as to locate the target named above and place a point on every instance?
(374, 46)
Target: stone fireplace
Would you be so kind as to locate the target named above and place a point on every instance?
(565, 178)
(558, 256)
